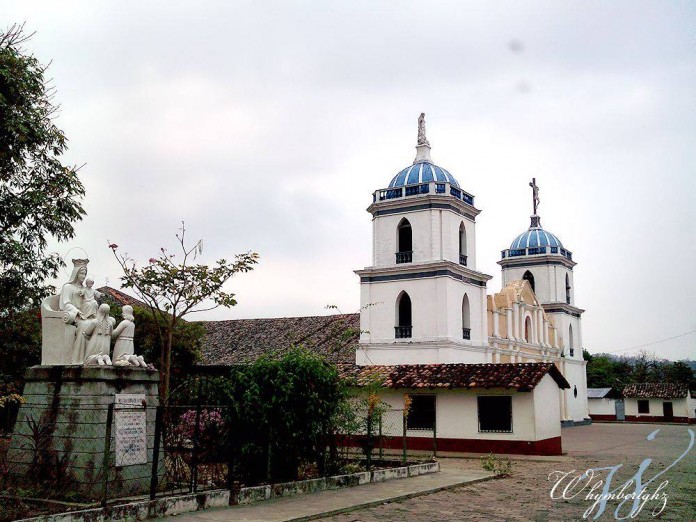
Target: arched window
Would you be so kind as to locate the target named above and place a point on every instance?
(570, 340)
(403, 326)
(528, 329)
(466, 314)
(462, 244)
(404, 242)
(529, 278)
(567, 289)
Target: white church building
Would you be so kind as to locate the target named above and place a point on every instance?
(495, 372)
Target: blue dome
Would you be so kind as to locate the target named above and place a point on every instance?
(535, 237)
(422, 172)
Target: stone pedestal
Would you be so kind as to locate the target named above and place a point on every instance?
(62, 436)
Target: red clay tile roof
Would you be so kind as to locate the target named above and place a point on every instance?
(121, 298)
(519, 376)
(245, 340)
(661, 390)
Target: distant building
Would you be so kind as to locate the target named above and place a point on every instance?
(604, 404)
(659, 402)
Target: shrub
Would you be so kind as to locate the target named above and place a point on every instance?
(500, 467)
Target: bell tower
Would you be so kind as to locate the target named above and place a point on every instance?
(422, 300)
(538, 256)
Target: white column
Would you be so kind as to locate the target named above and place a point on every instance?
(508, 323)
(546, 331)
(516, 326)
(540, 327)
(496, 323)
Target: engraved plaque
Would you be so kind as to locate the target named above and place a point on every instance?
(131, 434)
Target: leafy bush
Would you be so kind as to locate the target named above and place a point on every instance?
(282, 411)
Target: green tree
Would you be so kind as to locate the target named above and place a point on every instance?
(39, 195)
(174, 289)
(679, 371)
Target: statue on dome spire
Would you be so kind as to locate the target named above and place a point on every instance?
(422, 140)
(536, 220)
(535, 195)
(423, 146)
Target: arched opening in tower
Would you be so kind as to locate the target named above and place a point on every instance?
(529, 277)
(403, 328)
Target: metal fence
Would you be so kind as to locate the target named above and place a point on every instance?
(385, 435)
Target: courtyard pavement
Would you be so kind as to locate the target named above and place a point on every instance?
(457, 492)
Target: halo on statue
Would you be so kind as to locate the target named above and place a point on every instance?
(67, 267)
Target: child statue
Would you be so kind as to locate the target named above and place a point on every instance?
(124, 352)
(89, 299)
(99, 344)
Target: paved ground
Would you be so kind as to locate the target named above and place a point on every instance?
(525, 495)
(309, 506)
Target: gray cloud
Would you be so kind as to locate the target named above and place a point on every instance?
(267, 126)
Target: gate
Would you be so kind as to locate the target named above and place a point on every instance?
(620, 410)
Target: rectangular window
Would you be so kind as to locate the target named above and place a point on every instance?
(421, 415)
(495, 414)
(644, 406)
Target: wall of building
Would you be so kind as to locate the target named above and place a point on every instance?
(602, 409)
(547, 409)
(656, 414)
(436, 310)
(535, 425)
(435, 234)
(549, 281)
(576, 375)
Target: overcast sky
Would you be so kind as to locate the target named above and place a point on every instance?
(266, 126)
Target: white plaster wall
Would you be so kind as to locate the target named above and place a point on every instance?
(436, 310)
(418, 353)
(691, 406)
(547, 409)
(456, 413)
(562, 321)
(576, 375)
(602, 406)
(679, 406)
(435, 235)
(549, 281)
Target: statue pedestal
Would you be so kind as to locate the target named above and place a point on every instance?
(62, 439)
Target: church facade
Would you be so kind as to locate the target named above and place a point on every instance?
(424, 301)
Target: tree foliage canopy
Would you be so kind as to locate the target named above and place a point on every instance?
(175, 287)
(608, 371)
(39, 195)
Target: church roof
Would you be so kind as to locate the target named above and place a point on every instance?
(516, 376)
(422, 172)
(245, 340)
(657, 390)
(535, 237)
(121, 298)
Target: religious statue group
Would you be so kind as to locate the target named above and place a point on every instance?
(94, 327)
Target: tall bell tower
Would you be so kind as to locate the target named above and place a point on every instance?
(422, 300)
(539, 257)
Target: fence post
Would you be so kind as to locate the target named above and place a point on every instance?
(403, 458)
(381, 445)
(231, 460)
(268, 452)
(434, 438)
(154, 479)
(196, 435)
(106, 461)
(369, 443)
